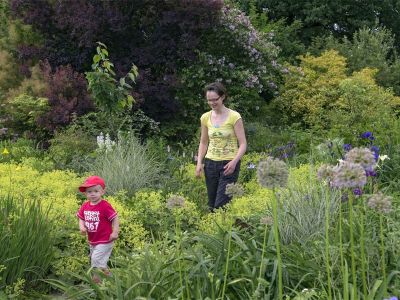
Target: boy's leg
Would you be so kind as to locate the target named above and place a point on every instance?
(100, 254)
(221, 197)
(212, 176)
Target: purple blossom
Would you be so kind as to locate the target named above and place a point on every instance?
(367, 135)
(370, 173)
(251, 166)
(375, 150)
(357, 192)
(347, 147)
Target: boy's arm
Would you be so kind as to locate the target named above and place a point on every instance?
(82, 227)
(115, 225)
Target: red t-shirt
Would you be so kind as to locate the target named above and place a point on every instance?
(98, 221)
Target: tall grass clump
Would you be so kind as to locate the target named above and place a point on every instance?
(125, 164)
(26, 242)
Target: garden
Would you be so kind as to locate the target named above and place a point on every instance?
(116, 89)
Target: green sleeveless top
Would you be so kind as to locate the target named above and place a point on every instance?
(223, 143)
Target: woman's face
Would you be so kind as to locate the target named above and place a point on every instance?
(214, 100)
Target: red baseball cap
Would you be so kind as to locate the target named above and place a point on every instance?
(92, 181)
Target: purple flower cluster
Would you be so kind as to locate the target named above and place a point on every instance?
(253, 42)
(367, 135)
(282, 152)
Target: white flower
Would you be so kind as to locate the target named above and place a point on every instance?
(383, 157)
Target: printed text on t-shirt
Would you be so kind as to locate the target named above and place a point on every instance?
(92, 219)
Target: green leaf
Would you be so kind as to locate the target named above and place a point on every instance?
(132, 77)
(130, 100)
(96, 58)
(104, 51)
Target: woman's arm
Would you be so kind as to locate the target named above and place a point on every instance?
(203, 146)
(241, 137)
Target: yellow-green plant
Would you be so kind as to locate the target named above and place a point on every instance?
(320, 92)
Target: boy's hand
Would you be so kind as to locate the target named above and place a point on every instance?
(113, 236)
(83, 230)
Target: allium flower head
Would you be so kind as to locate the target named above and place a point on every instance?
(234, 190)
(348, 175)
(266, 220)
(325, 172)
(175, 201)
(362, 156)
(380, 203)
(272, 173)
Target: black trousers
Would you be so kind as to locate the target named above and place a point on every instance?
(216, 182)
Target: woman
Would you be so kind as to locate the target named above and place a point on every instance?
(222, 143)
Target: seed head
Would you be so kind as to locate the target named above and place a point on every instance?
(348, 175)
(266, 220)
(175, 201)
(234, 190)
(362, 156)
(380, 203)
(325, 172)
(272, 173)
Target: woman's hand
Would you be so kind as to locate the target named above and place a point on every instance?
(199, 170)
(230, 167)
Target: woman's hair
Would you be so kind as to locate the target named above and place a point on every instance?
(218, 88)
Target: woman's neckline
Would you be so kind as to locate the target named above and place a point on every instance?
(223, 121)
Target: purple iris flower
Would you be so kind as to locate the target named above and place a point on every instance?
(357, 192)
(347, 147)
(375, 150)
(367, 135)
(370, 173)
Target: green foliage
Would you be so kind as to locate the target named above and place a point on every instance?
(24, 110)
(111, 95)
(286, 36)
(27, 240)
(126, 165)
(368, 48)
(319, 93)
(72, 149)
(9, 76)
(245, 62)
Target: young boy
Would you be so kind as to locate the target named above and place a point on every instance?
(99, 220)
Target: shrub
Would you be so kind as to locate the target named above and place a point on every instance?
(72, 149)
(319, 93)
(20, 149)
(57, 190)
(24, 111)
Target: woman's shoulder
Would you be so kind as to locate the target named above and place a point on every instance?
(234, 115)
(205, 117)
(205, 114)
